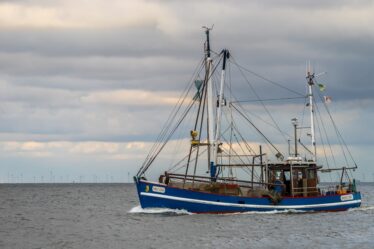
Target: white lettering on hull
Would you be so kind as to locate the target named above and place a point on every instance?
(158, 189)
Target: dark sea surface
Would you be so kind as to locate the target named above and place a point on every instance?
(107, 216)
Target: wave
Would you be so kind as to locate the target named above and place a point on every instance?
(140, 210)
(289, 211)
(362, 208)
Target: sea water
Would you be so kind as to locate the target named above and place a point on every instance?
(105, 216)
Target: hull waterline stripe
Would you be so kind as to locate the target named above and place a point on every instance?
(249, 205)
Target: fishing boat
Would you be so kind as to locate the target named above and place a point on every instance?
(220, 156)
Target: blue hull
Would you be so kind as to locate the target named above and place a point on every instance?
(155, 195)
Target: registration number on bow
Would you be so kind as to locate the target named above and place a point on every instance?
(158, 189)
(346, 197)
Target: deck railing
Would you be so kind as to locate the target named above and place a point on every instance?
(206, 179)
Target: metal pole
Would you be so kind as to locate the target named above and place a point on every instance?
(291, 177)
(310, 77)
(219, 111)
(294, 122)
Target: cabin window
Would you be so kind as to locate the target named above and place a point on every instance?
(287, 176)
(297, 174)
(277, 175)
(311, 174)
(300, 175)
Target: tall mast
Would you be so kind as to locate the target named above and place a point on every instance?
(310, 77)
(220, 103)
(210, 102)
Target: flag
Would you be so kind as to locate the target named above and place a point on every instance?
(327, 99)
(321, 87)
(198, 84)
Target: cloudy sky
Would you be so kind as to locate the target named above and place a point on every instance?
(86, 85)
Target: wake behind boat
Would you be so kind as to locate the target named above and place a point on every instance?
(229, 163)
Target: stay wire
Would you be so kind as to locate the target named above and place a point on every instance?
(172, 116)
(266, 79)
(258, 97)
(337, 131)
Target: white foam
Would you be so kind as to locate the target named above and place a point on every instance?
(365, 208)
(140, 210)
(289, 211)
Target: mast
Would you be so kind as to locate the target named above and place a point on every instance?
(220, 103)
(310, 77)
(210, 105)
(294, 122)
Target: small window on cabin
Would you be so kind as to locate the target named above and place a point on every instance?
(277, 175)
(299, 175)
(287, 175)
(311, 174)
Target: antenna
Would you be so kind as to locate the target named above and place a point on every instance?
(309, 68)
(206, 28)
(320, 74)
(207, 44)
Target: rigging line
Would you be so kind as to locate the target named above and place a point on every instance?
(248, 148)
(323, 148)
(200, 130)
(230, 173)
(234, 135)
(177, 163)
(201, 105)
(337, 131)
(302, 118)
(241, 147)
(174, 167)
(306, 148)
(257, 100)
(179, 139)
(206, 80)
(163, 145)
(263, 78)
(276, 127)
(253, 114)
(246, 169)
(167, 139)
(150, 158)
(321, 124)
(262, 103)
(161, 137)
(246, 118)
(263, 120)
(239, 158)
(183, 95)
(235, 127)
(172, 115)
(266, 122)
(180, 103)
(322, 143)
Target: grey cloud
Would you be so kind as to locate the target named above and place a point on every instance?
(129, 42)
(65, 64)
